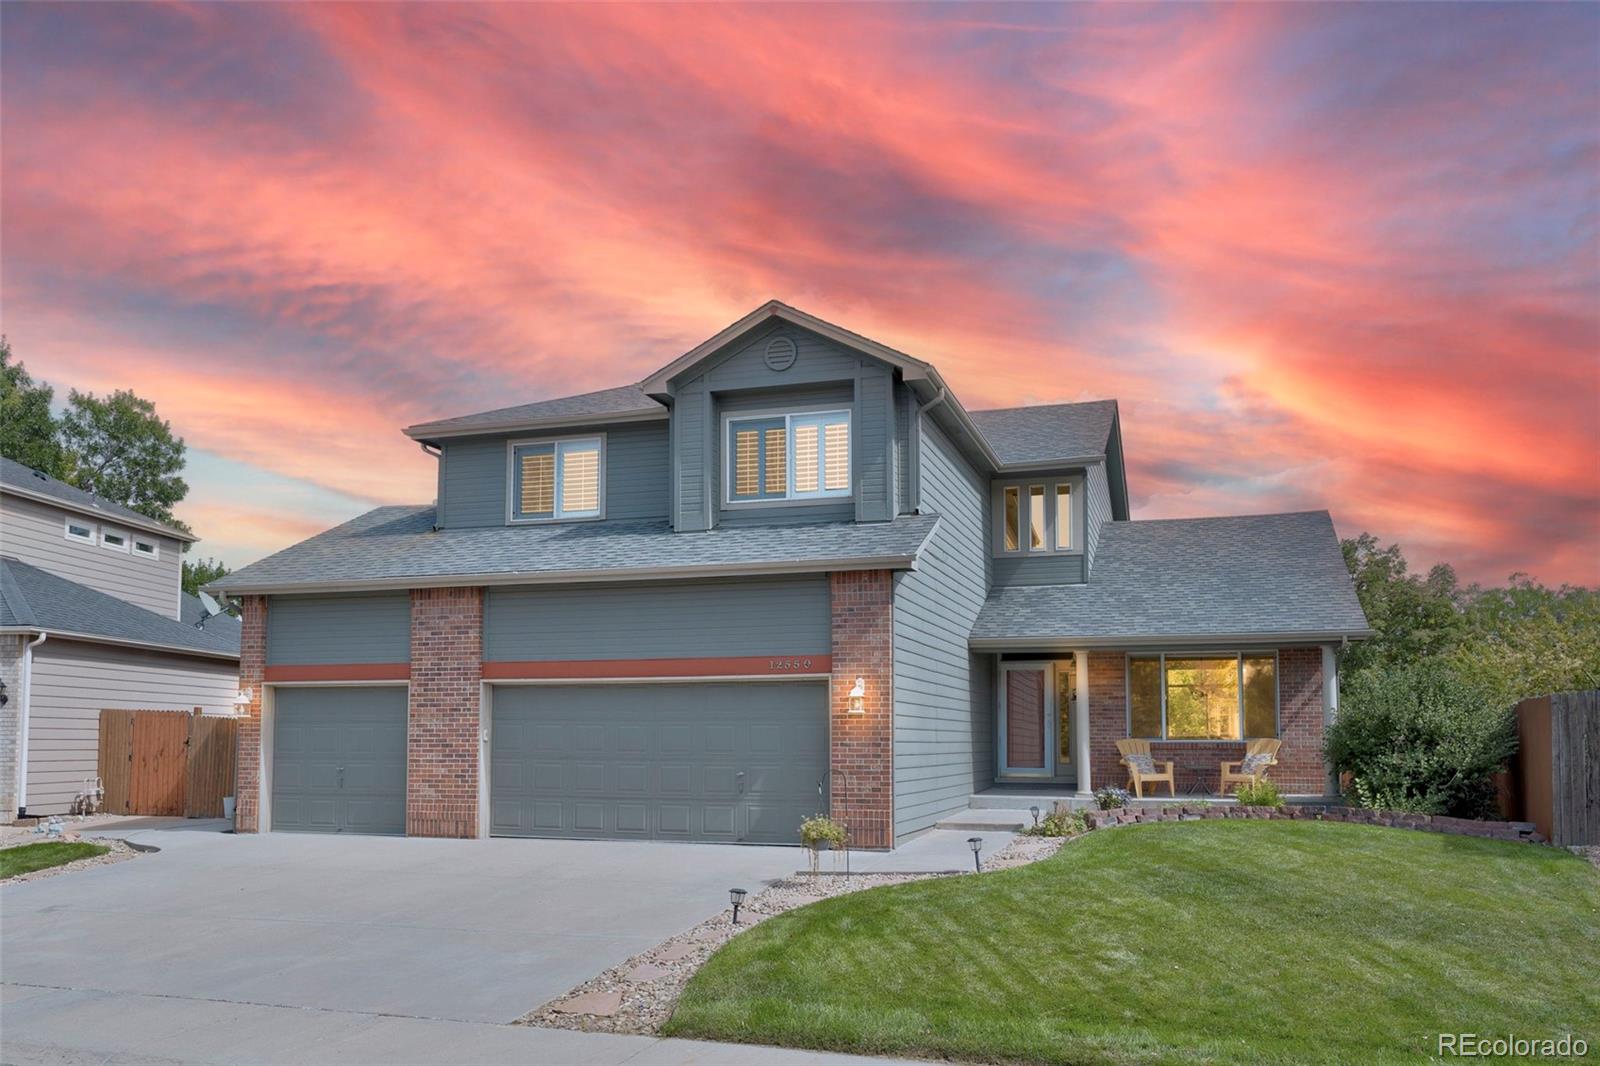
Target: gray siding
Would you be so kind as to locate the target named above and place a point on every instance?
(35, 533)
(905, 414)
(943, 740)
(351, 628)
(473, 474)
(1097, 511)
(821, 367)
(74, 681)
(1038, 570)
(788, 616)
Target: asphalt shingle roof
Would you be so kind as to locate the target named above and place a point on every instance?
(1047, 432)
(397, 546)
(1197, 578)
(624, 400)
(31, 598)
(25, 479)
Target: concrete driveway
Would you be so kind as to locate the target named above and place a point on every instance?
(264, 930)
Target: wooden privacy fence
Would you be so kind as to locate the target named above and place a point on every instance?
(166, 762)
(1557, 766)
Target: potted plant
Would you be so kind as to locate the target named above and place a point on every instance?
(818, 831)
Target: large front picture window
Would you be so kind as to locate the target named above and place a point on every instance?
(788, 457)
(1203, 697)
(557, 479)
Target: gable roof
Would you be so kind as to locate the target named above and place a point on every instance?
(626, 403)
(24, 480)
(1187, 581)
(34, 599)
(398, 547)
(1058, 434)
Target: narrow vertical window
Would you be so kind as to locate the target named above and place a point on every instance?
(1036, 518)
(807, 459)
(1144, 698)
(580, 479)
(777, 452)
(1260, 686)
(538, 495)
(746, 462)
(1013, 519)
(836, 456)
(1063, 516)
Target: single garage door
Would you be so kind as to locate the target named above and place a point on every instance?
(339, 759)
(720, 762)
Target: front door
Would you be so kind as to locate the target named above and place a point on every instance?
(1027, 717)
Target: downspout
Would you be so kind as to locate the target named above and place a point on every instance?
(916, 446)
(22, 725)
(437, 452)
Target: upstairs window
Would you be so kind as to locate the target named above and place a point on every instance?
(788, 457)
(146, 547)
(1039, 517)
(557, 479)
(115, 539)
(79, 530)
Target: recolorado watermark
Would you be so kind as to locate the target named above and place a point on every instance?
(1477, 1045)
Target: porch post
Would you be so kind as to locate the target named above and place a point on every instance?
(1330, 708)
(1080, 721)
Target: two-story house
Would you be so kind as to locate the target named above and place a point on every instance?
(787, 572)
(93, 616)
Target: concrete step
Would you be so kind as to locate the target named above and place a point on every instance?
(1021, 801)
(986, 819)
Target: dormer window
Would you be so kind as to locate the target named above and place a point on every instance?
(790, 456)
(1039, 516)
(556, 480)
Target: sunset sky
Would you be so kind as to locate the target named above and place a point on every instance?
(1325, 256)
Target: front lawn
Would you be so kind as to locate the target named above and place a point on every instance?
(31, 857)
(1214, 941)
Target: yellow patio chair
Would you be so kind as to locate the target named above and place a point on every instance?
(1258, 755)
(1142, 768)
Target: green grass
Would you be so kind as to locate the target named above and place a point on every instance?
(1193, 942)
(30, 857)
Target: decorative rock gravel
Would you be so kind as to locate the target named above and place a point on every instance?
(647, 986)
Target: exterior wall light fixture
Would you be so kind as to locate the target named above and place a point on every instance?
(858, 696)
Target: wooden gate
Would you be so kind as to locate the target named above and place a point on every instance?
(166, 762)
(1557, 766)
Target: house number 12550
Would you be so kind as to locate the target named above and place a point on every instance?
(790, 664)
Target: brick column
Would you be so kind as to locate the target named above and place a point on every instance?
(442, 734)
(1300, 769)
(252, 672)
(1108, 717)
(862, 745)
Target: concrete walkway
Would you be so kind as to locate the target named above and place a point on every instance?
(936, 851)
(345, 949)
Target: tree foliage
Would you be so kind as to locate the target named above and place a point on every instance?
(28, 429)
(119, 448)
(1425, 705)
(200, 573)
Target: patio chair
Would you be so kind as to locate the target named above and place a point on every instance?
(1258, 755)
(1142, 768)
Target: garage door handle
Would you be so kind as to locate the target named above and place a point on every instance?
(740, 778)
(341, 777)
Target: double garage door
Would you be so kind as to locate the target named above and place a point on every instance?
(735, 762)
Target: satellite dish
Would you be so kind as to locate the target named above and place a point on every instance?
(212, 607)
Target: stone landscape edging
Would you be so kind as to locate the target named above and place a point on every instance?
(1520, 832)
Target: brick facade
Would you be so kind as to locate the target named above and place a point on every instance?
(11, 648)
(442, 737)
(1299, 770)
(252, 672)
(862, 745)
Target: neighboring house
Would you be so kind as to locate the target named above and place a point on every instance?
(92, 616)
(788, 561)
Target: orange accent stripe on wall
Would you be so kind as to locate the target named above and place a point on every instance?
(339, 672)
(736, 666)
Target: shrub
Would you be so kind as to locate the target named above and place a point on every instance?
(1424, 738)
(1110, 797)
(1262, 793)
(1061, 822)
